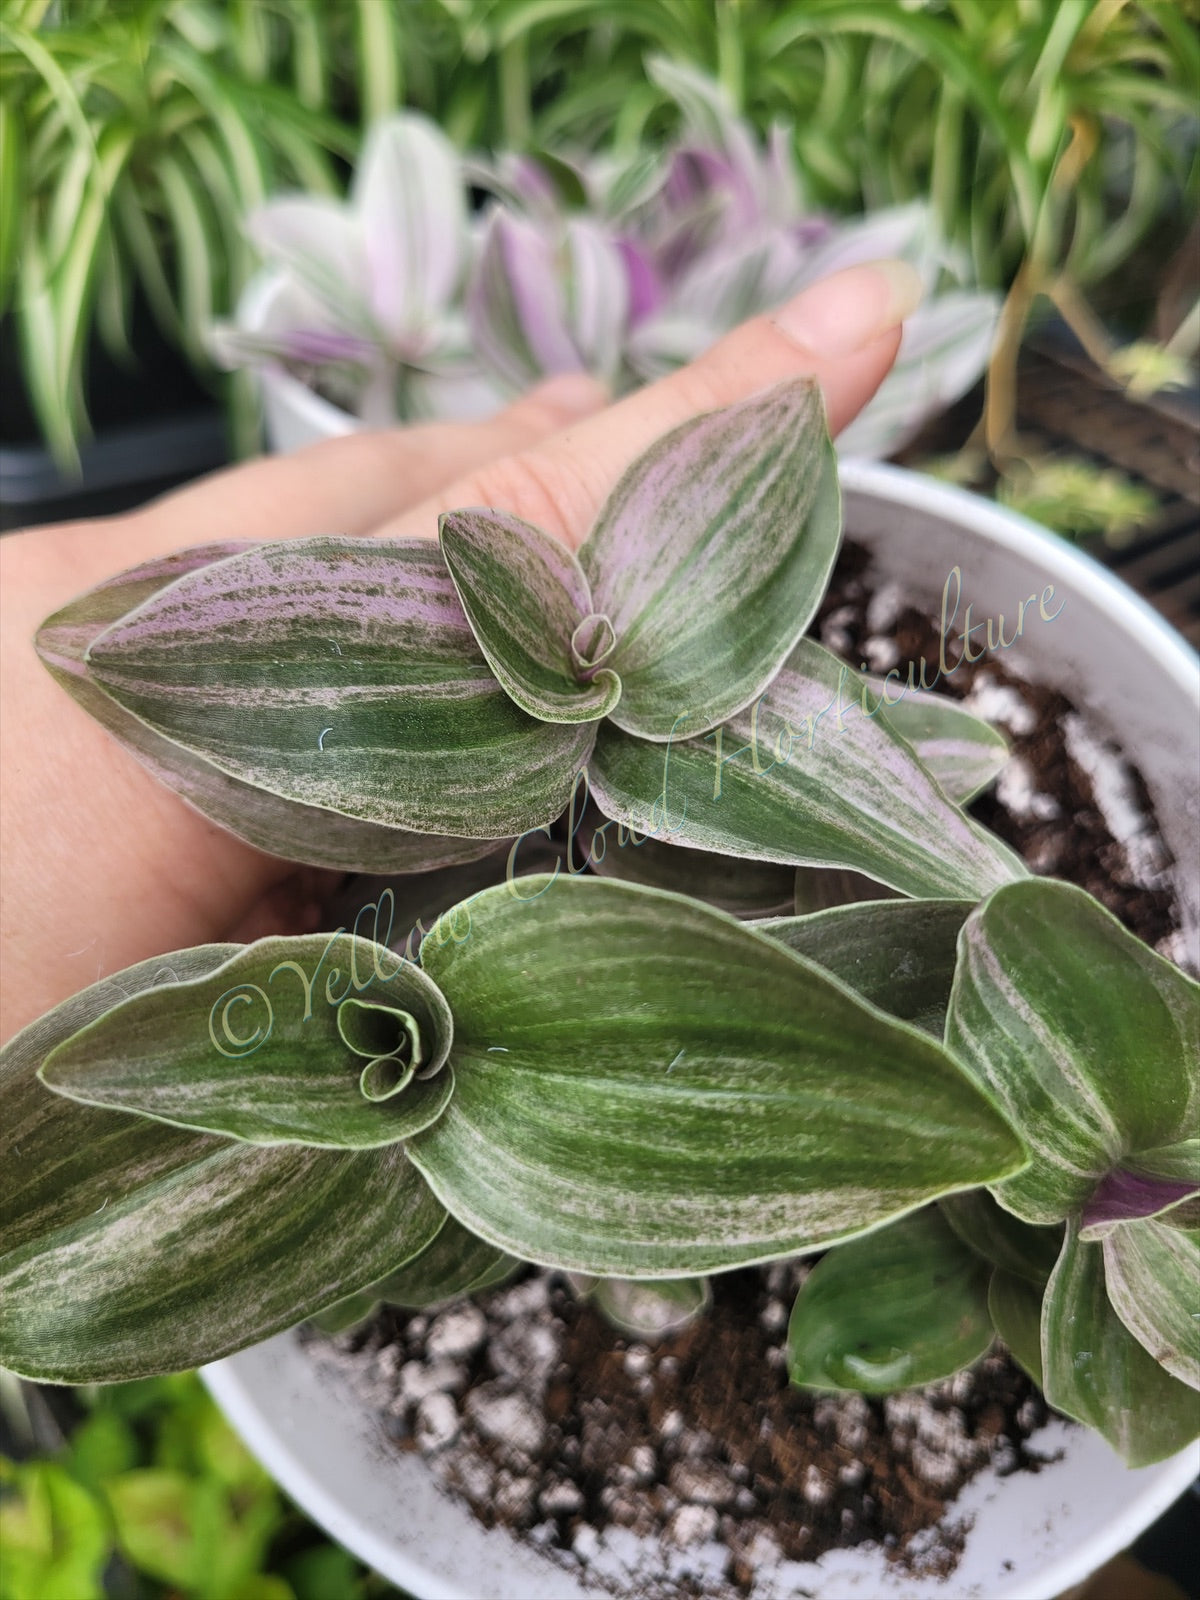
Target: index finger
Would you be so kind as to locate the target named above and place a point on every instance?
(844, 331)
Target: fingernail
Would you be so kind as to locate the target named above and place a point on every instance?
(572, 394)
(847, 311)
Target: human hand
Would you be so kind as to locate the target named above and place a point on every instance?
(102, 866)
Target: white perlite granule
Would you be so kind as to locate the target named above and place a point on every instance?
(1017, 792)
(1116, 798)
(999, 702)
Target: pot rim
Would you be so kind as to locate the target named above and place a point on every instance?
(311, 409)
(1157, 1487)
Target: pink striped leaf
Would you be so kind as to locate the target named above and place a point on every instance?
(310, 834)
(1086, 1037)
(129, 1248)
(530, 608)
(803, 777)
(341, 674)
(710, 558)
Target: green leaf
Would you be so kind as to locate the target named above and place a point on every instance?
(63, 1162)
(711, 555)
(53, 1537)
(898, 954)
(780, 783)
(363, 692)
(650, 1311)
(1002, 1239)
(1086, 1037)
(221, 1253)
(963, 752)
(826, 888)
(457, 1262)
(743, 888)
(1015, 1307)
(530, 608)
(130, 1248)
(902, 1306)
(299, 832)
(1152, 1273)
(646, 1087)
(261, 1049)
(1097, 1372)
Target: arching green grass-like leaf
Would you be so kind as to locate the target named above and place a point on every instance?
(803, 777)
(898, 954)
(1087, 1038)
(646, 1087)
(903, 1306)
(711, 555)
(283, 827)
(259, 1050)
(526, 597)
(1096, 1371)
(1152, 1273)
(343, 674)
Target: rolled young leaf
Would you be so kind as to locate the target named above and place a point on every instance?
(1087, 1038)
(128, 1247)
(341, 673)
(525, 597)
(902, 1306)
(260, 1050)
(1096, 1371)
(1152, 1273)
(710, 558)
(298, 832)
(898, 954)
(646, 1087)
(779, 782)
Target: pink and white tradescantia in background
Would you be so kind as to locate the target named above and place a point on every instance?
(409, 301)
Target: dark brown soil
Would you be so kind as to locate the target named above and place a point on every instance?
(700, 1443)
(1077, 844)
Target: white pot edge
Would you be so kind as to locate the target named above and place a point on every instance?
(295, 416)
(240, 1384)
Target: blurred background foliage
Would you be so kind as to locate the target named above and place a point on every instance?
(148, 1495)
(1057, 138)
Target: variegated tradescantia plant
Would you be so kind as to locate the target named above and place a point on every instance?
(978, 1098)
(402, 305)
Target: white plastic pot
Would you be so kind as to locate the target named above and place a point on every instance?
(294, 416)
(1030, 1536)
